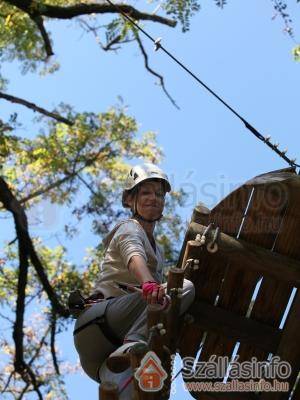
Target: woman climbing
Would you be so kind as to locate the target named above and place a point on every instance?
(130, 276)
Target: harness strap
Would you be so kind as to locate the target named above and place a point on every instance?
(105, 329)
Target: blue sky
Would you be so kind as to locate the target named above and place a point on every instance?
(240, 52)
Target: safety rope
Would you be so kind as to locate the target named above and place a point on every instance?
(158, 45)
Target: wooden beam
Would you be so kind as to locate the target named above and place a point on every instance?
(229, 324)
(252, 257)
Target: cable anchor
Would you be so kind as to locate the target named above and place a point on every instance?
(213, 247)
(157, 44)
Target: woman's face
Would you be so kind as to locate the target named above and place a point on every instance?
(150, 199)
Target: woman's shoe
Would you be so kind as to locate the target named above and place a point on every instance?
(119, 360)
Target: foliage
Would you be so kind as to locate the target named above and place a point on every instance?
(182, 10)
(21, 39)
(80, 167)
(60, 164)
(296, 53)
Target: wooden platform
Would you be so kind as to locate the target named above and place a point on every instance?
(247, 295)
(243, 290)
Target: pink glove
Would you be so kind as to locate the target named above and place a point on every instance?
(149, 287)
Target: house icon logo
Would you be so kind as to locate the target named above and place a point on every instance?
(150, 375)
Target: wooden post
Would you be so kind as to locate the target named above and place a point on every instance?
(136, 355)
(200, 216)
(174, 289)
(108, 391)
(155, 317)
(192, 252)
(158, 344)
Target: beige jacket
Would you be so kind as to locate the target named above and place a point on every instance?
(127, 239)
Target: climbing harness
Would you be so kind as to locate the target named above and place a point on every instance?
(105, 329)
(77, 303)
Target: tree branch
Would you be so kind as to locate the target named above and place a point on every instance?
(23, 392)
(20, 365)
(39, 348)
(86, 184)
(59, 182)
(13, 205)
(160, 77)
(4, 127)
(7, 382)
(35, 108)
(52, 343)
(40, 24)
(109, 45)
(26, 250)
(20, 308)
(68, 12)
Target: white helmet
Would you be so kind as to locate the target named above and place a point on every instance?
(141, 173)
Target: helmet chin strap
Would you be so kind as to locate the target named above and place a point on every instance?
(137, 215)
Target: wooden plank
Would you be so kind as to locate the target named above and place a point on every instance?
(289, 349)
(242, 329)
(228, 215)
(211, 273)
(296, 394)
(274, 295)
(260, 227)
(252, 257)
(192, 335)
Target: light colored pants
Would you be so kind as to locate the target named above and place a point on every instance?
(126, 317)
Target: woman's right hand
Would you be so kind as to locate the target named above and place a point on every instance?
(153, 292)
